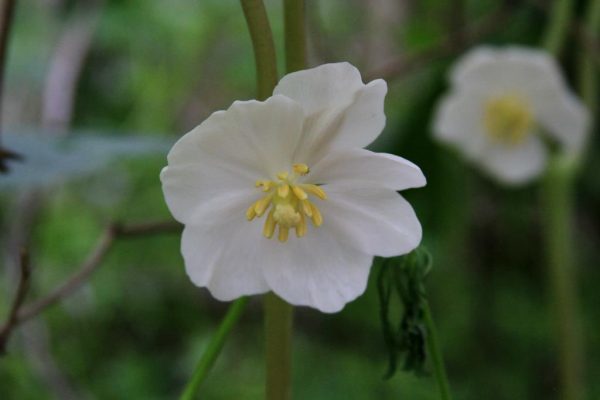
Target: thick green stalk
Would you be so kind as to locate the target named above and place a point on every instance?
(558, 26)
(588, 72)
(263, 45)
(214, 348)
(557, 199)
(278, 347)
(295, 35)
(439, 370)
(557, 195)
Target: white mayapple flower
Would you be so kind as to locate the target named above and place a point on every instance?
(247, 176)
(503, 109)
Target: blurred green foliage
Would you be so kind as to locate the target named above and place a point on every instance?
(136, 331)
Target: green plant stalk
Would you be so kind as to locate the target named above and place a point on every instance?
(214, 348)
(295, 35)
(558, 26)
(588, 73)
(439, 370)
(263, 45)
(278, 347)
(557, 194)
(557, 200)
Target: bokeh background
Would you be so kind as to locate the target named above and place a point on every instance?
(97, 91)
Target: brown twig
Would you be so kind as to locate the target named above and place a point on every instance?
(22, 289)
(453, 44)
(20, 313)
(8, 10)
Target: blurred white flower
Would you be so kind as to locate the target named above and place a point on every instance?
(505, 107)
(280, 195)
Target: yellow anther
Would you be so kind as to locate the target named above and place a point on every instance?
(315, 190)
(301, 169)
(250, 213)
(283, 190)
(306, 208)
(283, 175)
(261, 205)
(289, 204)
(317, 218)
(508, 119)
(301, 194)
(283, 233)
(270, 224)
(301, 227)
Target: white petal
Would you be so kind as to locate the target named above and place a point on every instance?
(506, 69)
(224, 258)
(228, 152)
(318, 270)
(341, 111)
(375, 221)
(458, 121)
(363, 168)
(564, 117)
(515, 165)
(322, 87)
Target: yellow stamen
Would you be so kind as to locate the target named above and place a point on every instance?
(301, 194)
(283, 233)
(508, 119)
(301, 169)
(250, 213)
(301, 227)
(317, 218)
(261, 205)
(315, 190)
(270, 224)
(288, 202)
(307, 208)
(283, 190)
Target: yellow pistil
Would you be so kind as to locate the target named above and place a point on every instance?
(508, 119)
(288, 202)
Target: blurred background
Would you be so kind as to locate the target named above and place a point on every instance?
(95, 93)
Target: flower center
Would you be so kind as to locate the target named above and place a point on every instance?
(508, 119)
(288, 204)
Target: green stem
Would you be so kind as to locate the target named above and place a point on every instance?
(295, 35)
(214, 348)
(557, 198)
(439, 369)
(557, 195)
(558, 26)
(278, 347)
(263, 45)
(588, 73)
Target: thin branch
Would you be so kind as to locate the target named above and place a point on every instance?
(8, 10)
(22, 289)
(453, 44)
(20, 313)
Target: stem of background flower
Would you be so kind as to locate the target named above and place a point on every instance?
(439, 369)
(295, 35)
(214, 348)
(558, 25)
(278, 347)
(263, 45)
(557, 199)
(588, 73)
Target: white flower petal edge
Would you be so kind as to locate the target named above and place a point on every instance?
(341, 111)
(376, 221)
(225, 154)
(363, 169)
(515, 166)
